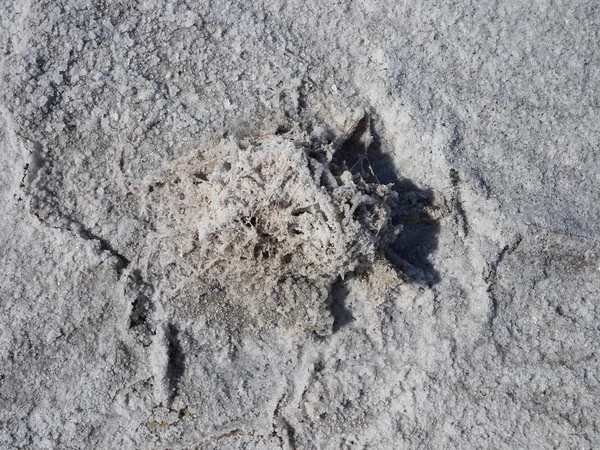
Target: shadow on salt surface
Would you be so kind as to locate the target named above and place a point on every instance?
(364, 153)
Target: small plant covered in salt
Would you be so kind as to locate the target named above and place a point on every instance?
(281, 223)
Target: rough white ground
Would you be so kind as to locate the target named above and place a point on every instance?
(478, 327)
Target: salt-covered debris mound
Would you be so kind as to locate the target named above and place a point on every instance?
(280, 220)
(277, 222)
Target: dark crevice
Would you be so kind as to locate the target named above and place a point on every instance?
(24, 177)
(507, 250)
(175, 361)
(461, 216)
(106, 246)
(278, 419)
(291, 434)
(454, 177)
(336, 303)
(78, 228)
(492, 277)
(461, 219)
(141, 322)
(304, 91)
(140, 311)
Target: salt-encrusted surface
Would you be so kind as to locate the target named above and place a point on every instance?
(478, 327)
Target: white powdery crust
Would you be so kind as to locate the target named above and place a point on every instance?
(281, 222)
